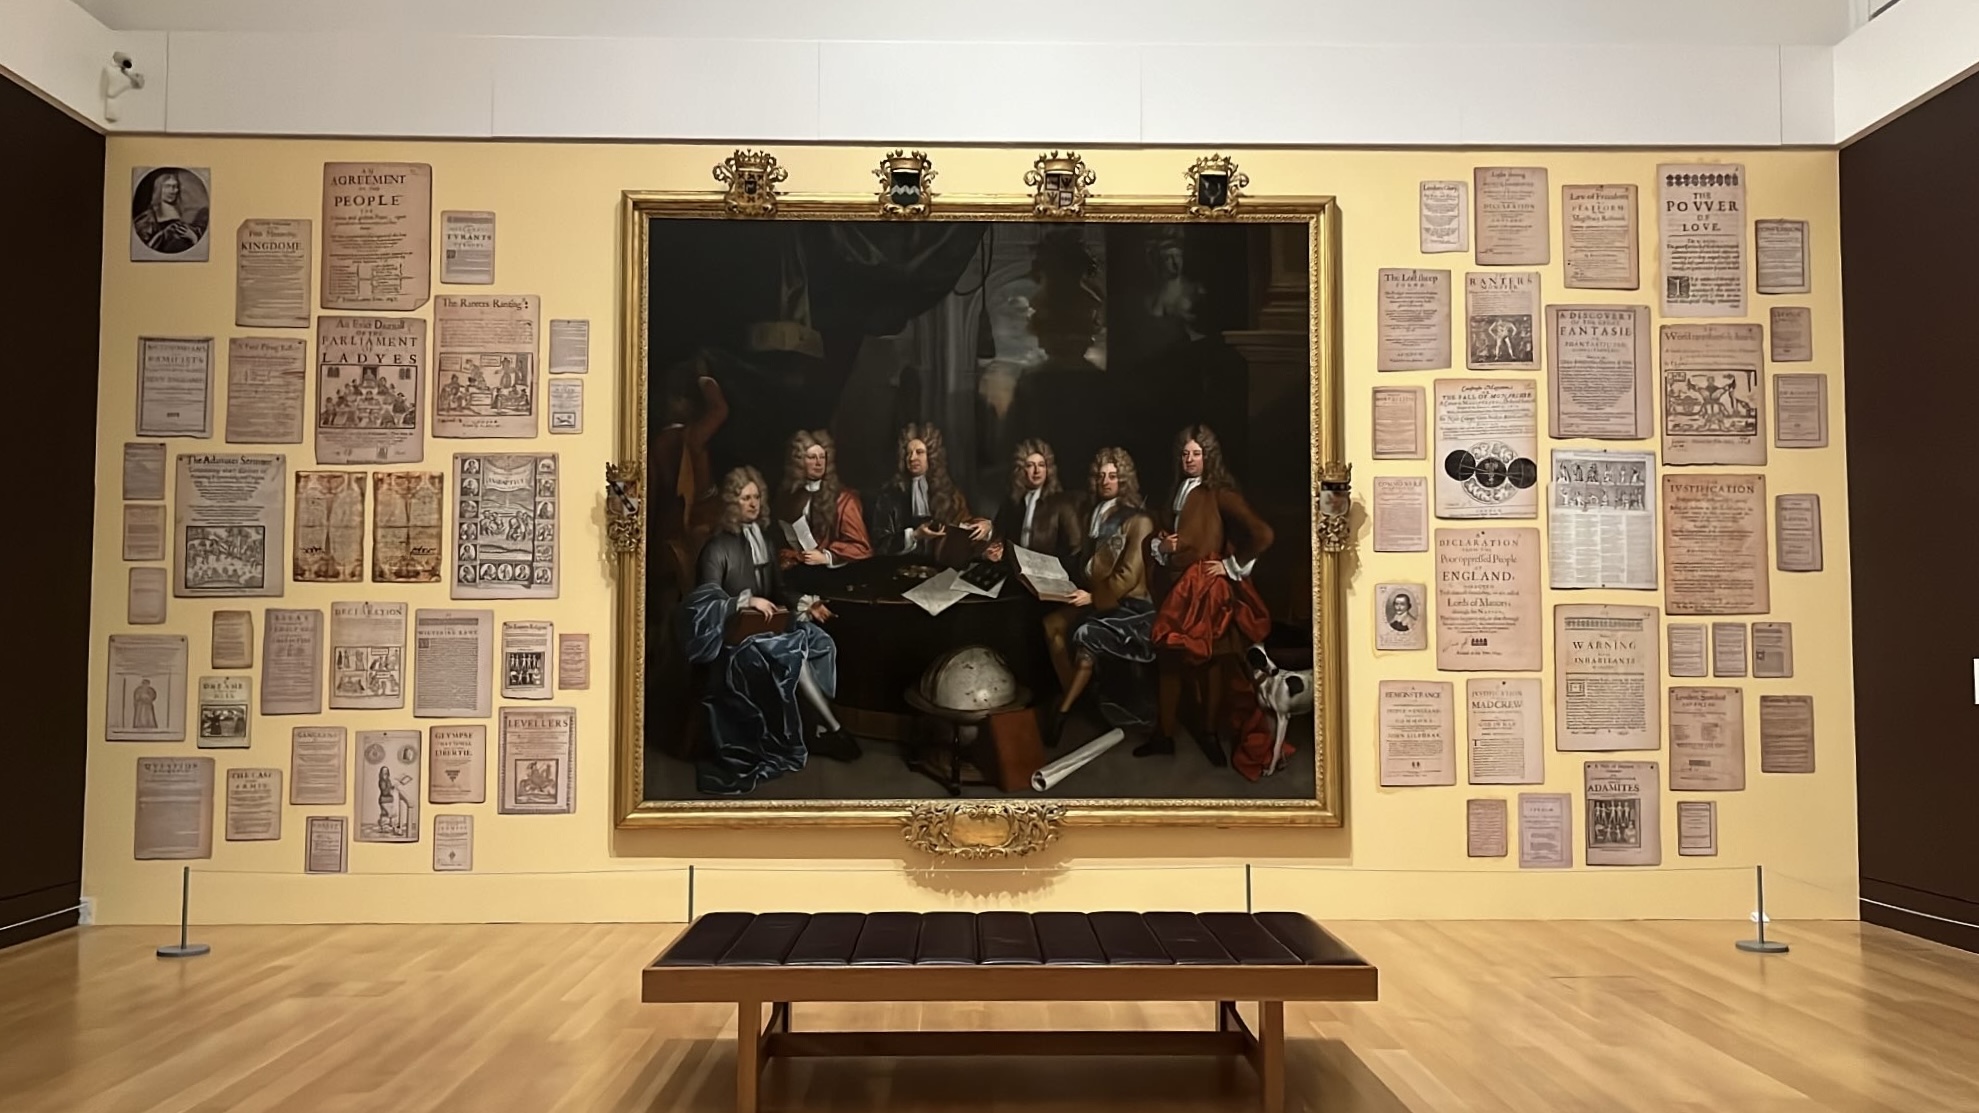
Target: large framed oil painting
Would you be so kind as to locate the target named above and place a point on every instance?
(978, 512)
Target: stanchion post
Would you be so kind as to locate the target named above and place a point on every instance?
(1762, 945)
(690, 892)
(183, 949)
(1247, 889)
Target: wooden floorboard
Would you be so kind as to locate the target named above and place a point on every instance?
(1477, 1017)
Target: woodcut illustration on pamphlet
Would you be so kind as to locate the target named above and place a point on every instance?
(526, 660)
(506, 506)
(223, 712)
(408, 527)
(1624, 818)
(228, 525)
(145, 699)
(377, 236)
(387, 786)
(566, 406)
(368, 372)
(538, 774)
(485, 380)
(367, 655)
(1601, 530)
(1487, 448)
(1501, 321)
(1714, 399)
(329, 527)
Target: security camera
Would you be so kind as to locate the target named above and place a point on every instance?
(118, 81)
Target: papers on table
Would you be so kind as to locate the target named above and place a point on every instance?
(939, 592)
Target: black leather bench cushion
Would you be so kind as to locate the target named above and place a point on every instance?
(706, 939)
(1007, 939)
(1314, 945)
(947, 939)
(827, 940)
(888, 939)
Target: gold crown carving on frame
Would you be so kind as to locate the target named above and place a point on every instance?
(624, 523)
(1215, 184)
(1059, 183)
(904, 180)
(1335, 502)
(982, 828)
(751, 178)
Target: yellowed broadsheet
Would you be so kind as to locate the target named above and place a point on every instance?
(1487, 829)
(1601, 528)
(233, 639)
(468, 253)
(1786, 734)
(227, 526)
(570, 346)
(1546, 835)
(1797, 518)
(271, 274)
(1399, 413)
(573, 662)
(1687, 649)
(144, 531)
(144, 471)
(377, 235)
(316, 765)
(265, 380)
(326, 844)
(1502, 724)
(224, 712)
(1443, 213)
(1800, 411)
(1607, 679)
(1772, 650)
(538, 770)
(1401, 514)
(1514, 219)
(1697, 828)
(1599, 241)
(453, 843)
(458, 764)
(1600, 378)
(1487, 600)
(1728, 654)
(1412, 330)
(1707, 739)
(408, 527)
(1792, 333)
(1779, 251)
(526, 660)
(149, 588)
(292, 662)
(145, 698)
(1701, 232)
(175, 386)
(174, 813)
(254, 805)
(1417, 727)
(452, 664)
(485, 382)
(1714, 545)
(367, 655)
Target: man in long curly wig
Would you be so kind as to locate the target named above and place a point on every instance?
(813, 494)
(1209, 542)
(920, 512)
(1105, 627)
(1038, 515)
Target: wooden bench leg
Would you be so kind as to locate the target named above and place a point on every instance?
(748, 1054)
(1223, 1011)
(1271, 1054)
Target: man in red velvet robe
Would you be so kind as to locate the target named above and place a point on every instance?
(1208, 544)
(812, 493)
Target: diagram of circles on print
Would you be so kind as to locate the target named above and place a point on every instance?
(1491, 471)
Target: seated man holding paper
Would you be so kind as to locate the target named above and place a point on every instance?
(820, 519)
(1038, 516)
(769, 654)
(920, 512)
(1110, 619)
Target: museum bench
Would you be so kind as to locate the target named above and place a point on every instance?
(1221, 957)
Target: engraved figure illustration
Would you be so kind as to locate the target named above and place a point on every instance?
(480, 384)
(169, 211)
(1722, 402)
(538, 780)
(224, 557)
(369, 670)
(144, 706)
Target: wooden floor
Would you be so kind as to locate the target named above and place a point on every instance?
(1492, 1016)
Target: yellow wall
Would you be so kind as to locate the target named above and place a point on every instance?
(1402, 852)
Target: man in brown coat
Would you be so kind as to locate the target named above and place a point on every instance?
(1109, 620)
(1209, 610)
(1038, 515)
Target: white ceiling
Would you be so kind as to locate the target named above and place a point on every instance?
(1393, 22)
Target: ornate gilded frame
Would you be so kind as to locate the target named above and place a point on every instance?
(1013, 829)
